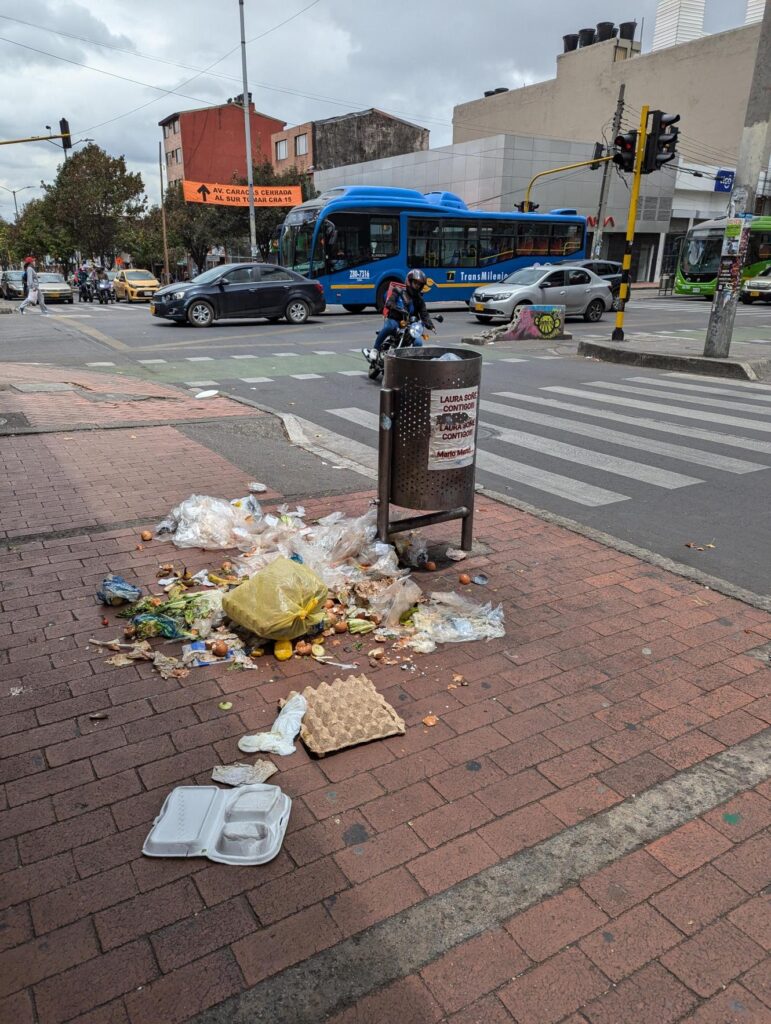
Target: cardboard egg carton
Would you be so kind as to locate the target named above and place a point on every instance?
(345, 713)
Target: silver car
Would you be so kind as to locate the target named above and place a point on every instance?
(55, 288)
(582, 293)
(758, 287)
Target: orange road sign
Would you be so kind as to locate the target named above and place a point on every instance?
(238, 195)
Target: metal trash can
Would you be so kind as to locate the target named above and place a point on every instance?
(429, 411)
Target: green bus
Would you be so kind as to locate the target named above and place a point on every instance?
(699, 256)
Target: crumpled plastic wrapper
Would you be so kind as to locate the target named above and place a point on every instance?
(450, 618)
(280, 739)
(239, 774)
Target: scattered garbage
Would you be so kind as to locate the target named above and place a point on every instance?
(207, 394)
(456, 554)
(451, 618)
(481, 579)
(98, 716)
(281, 602)
(242, 826)
(449, 357)
(343, 714)
(116, 591)
(396, 599)
(430, 721)
(225, 705)
(211, 523)
(239, 774)
(255, 487)
(283, 731)
(412, 549)
(182, 616)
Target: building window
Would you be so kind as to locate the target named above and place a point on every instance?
(176, 126)
(281, 149)
(179, 156)
(168, 159)
(301, 145)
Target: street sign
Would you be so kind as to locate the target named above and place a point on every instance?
(217, 194)
(724, 181)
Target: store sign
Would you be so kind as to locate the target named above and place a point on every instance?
(453, 427)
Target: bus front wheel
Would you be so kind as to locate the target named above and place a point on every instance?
(355, 308)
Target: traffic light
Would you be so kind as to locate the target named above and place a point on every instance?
(661, 144)
(626, 147)
(525, 207)
(64, 131)
(599, 150)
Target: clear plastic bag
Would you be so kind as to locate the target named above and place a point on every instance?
(390, 604)
(201, 521)
(412, 549)
(449, 618)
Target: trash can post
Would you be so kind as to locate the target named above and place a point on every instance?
(385, 451)
(467, 530)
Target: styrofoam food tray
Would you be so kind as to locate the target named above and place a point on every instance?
(241, 826)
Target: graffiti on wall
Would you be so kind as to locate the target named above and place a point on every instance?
(540, 322)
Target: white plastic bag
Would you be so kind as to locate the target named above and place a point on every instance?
(281, 736)
(390, 604)
(201, 521)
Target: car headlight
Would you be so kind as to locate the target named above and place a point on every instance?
(499, 297)
(177, 295)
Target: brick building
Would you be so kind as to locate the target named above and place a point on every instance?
(207, 144)
(348, 139)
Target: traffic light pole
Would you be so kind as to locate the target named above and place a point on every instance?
(605, 186)
(618, 332)
(753, 158)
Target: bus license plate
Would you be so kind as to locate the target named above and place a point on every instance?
(478, 307)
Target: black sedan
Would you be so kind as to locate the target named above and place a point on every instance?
(240, 290)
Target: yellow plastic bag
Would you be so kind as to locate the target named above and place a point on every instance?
(281, 602)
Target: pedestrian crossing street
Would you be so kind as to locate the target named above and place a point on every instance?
(676, 431)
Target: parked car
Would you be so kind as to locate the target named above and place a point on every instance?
(238, 290)
(758, 287)
(609, 270)
(580, 291)
(12, 284)
(55, 288)
(135, 285)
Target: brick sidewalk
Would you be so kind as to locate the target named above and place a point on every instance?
(614, 677)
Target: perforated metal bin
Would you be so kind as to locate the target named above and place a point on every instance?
(428, 424)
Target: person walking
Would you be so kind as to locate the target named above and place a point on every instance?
(32, 287)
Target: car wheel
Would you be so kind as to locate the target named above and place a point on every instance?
(355, 308)
(297, 311)
(70, 301)
(593, 312)
(483, 319)
(746, 300)
(200, 314)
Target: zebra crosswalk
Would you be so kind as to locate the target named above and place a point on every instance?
(537, 444)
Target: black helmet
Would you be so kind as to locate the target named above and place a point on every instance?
(417, 280)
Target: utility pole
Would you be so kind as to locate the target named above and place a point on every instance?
(163, 218)
(248, 138)
(618, 331)
(597, 240)
(753, 159)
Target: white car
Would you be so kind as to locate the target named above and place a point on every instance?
(582, 293)
(55, 288)
(757, 287)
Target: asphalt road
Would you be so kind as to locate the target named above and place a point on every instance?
(651, 457)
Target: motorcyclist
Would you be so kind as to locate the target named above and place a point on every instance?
(402, 303)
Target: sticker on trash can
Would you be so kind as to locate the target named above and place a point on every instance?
(453, 428)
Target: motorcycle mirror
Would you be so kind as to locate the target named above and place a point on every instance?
(439, 318)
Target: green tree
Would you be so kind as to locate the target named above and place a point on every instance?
(142, 238)
(39, 231)
(92, 198)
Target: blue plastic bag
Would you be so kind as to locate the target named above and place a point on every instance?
(115, 591)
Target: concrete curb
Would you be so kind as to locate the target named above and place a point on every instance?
(480, 341)
(756, 369)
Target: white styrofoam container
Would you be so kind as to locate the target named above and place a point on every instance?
(245, 825)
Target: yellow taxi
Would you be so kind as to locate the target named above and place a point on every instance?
(135, 285)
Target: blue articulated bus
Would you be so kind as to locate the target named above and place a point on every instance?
(356, 240)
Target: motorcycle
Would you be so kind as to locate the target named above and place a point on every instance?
(85, 292)
(411, 332)
(105, 291)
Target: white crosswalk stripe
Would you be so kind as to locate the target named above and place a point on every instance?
(670, 409)
(755, 386)
(644, 444)
(306, 376)
(750, 444)
(691, 399)
(704, 388)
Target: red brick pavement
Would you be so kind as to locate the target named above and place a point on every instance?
(556, 724)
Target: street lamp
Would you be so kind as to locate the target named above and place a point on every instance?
(14, 192)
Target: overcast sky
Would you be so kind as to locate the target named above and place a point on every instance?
(416, 60)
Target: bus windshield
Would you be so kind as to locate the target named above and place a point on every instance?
(297, 237)
(701, 254)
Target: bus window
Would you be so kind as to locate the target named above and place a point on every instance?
(351, 239)
(497, 242)
(460, 243)
(423, 243)
(565, 239)
(533, 238)
(758, 247)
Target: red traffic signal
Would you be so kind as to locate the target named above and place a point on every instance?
(626, 147)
